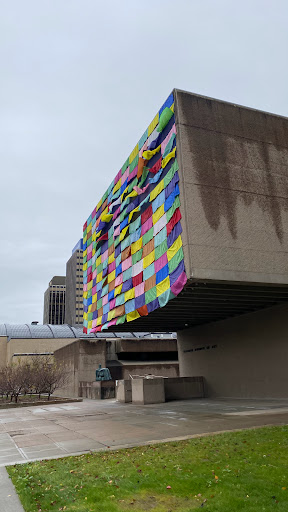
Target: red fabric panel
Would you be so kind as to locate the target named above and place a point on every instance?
(143, 311)
(137, 279)
(146, 214)
(156, 167)
(173, 221)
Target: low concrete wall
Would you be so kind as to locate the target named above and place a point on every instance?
(97, 390)
(161, 369)
(148, 391)
(124, 391)
(182, 388)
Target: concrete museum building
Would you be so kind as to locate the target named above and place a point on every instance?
(192, 236)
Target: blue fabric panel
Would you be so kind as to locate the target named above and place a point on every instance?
(167, 103)
(119, 269)
(176, 231)
(149, 271)
(160, 199)
(127, 285)
(111, 295)
(171, 198)
(162, 274)
(130, 306)
(140, 301)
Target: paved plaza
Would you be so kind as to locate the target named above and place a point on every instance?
(53, 431)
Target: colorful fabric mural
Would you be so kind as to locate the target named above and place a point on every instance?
(133, 260)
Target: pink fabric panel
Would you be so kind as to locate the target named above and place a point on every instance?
(139, 289)
(85, 287)
(111, 266)
(178, 286)
(133, 174)
(166, 140)
(94, 290)
(117, 232)
(126, 263)
(125, 175)
(119, 280)
(143, 148)
(161, 262)
(146, 226)
(94, 322)
(104, 256)
(112, 304)
(105, 299)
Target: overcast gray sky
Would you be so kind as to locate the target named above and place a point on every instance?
(80, 82)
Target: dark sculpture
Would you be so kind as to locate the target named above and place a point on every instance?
(103, 374)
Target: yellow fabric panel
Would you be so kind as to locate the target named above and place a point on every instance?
(85, 316)
(93, 251)
(111, 276)
(84, 239)
(123, 193)
(132, 194)
(94, 236)
(111, 315)
(85, 295)
(84, 266)
(90, 285)
(174, 248)
(111, 258)
(99, 277)
(123, 233)
(147, 155)
(117, 186)
(94, 298)
(136, 246)
(134, 154)
(156, 191)
(89, 308)
(132, 316)
(158, 214)
(163, 286)
(172, 107)
(106, 217)
(90, 324)
(98, 205)
(132, 213)
(99, 320)
(168, 158)
(85, 253)
(118, 290)
(153, 125)
(130, 294)
(149, 259)
(98, 261)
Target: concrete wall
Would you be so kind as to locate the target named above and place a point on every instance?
(158, 369)
(233, 189)
(18, 346)
(82, 358)
(146, 345)
(243, 357)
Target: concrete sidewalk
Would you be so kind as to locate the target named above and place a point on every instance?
(8, 497)
(53, 431)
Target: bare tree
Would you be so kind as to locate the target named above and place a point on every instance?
(55, 375)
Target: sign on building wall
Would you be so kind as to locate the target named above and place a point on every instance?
(133, 260)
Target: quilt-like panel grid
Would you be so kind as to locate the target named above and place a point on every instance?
(133, 260)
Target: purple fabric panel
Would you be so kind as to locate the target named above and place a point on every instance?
(178, 286)
(176, 231)
(153, 305)
(176, 273)
(127, 285)
(140, 301)
(170, 187)
(117, 250)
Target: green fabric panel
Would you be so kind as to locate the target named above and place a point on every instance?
(150, 295)
(144, 176)
(111, 186)
(94, 267)
(99, 268)
(89, 241)
(105, 289)
(120, 299)
(176, 260)
(168, 177)
(84, 232)
(89, 293)
(84, 259)
(165, 297)
(164, 119)
(121, 320)
(99, 303)
(110, 241)
(110, 232)
(161, 249)
(124, 167)
(115, 196)
(171, 210)
(117, 240)
(90, 316)
(169, 145)
(132, 184)
(126, 242)
(137, 256)
(148, 236)
(134, 162)
(123, 215)
(135, 225)
(105, 196)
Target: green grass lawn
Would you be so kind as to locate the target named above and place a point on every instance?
(245, 470)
